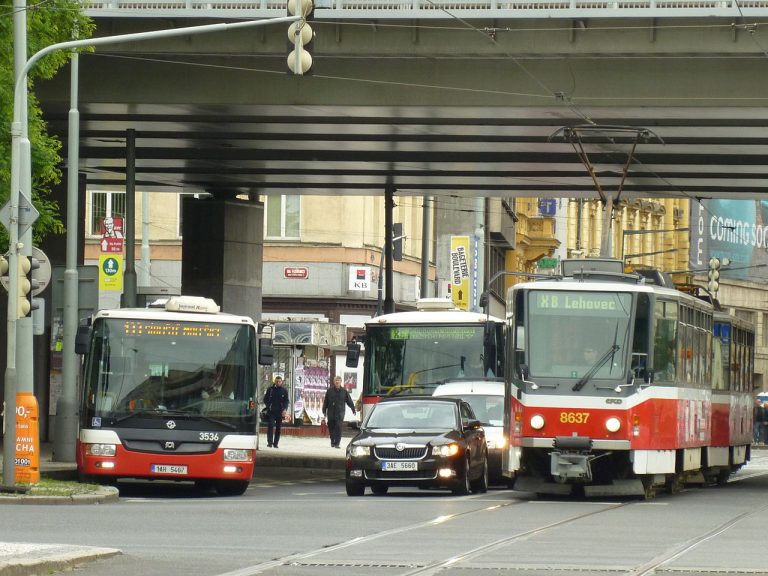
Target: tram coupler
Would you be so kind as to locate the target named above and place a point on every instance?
(571, 458)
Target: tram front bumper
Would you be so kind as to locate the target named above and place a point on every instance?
(571, 458)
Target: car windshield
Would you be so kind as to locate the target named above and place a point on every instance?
(413, 416)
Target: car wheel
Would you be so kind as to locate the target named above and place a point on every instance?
(231, 487)
(379, 489)
(480, 485)
(462, 486)
(355, 488)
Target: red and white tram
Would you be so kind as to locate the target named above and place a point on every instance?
(610, 385)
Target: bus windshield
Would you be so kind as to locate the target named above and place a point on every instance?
(144, 367)
(577, 334)
(415, 359)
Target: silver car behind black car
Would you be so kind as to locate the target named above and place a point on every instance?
(421, 441)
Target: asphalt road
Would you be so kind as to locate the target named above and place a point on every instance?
(300, 522)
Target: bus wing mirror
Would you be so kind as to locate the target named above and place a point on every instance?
(82, 339)
(353, 354)
(266, 351)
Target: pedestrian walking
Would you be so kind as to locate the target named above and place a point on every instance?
(276, 405)
(334, 405)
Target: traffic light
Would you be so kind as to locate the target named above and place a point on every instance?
(300, 36)
(714, 274)
(26, 285)
(397, 241)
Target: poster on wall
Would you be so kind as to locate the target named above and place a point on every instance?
(732, 229)
(460, 258)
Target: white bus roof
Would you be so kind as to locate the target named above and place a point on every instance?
(433, 317)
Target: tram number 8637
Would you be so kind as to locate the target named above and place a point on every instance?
(574, 417)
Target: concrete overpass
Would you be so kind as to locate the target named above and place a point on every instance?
(431, 97)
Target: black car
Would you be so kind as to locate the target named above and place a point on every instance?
(421, 441)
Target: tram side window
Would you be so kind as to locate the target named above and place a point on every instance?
(640, 344)
(664, 340)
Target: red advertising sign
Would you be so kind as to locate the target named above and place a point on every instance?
(111, 235)
(296, 272)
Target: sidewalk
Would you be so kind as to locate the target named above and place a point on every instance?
(26, 559)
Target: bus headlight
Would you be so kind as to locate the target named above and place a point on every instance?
(613, 424)
(236, 455)
(357, 451)
(537, 421)
(100, 449)
(446, 450)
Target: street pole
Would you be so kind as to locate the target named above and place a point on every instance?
(426, 233)
(21, 186)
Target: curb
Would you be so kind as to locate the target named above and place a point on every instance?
(101, 494)
(56, 562)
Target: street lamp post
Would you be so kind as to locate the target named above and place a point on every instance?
(21, 185)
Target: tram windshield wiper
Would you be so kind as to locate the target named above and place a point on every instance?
(597, 365)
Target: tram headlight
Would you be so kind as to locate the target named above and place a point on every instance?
(237, 455)
(446, 450)
(100, 449)
(537, 421)
(613, 424)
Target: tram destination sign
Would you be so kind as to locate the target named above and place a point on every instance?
(609, 304)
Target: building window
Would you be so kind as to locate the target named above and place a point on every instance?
(104, 204)
(748, 315)
(283, 216)
(496, 265)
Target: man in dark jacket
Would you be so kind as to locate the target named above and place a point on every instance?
(276, 404)
(334, 405)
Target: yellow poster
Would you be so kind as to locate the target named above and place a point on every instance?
(111, 272)
(460, 271)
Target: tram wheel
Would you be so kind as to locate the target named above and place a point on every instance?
(649, 489)
(674, 483)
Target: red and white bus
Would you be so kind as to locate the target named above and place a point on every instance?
(170, 394)
(414, 352)
(617, 385)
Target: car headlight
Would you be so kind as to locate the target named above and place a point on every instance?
(357, 451)
(237, 455)
(537, 421)
(445, 450)
(100, 449)
(613, 424)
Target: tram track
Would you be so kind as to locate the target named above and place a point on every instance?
(433, 568)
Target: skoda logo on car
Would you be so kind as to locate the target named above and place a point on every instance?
(399, 446)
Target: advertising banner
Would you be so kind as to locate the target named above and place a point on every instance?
(732, 229)
(111, 272)
(460, 288)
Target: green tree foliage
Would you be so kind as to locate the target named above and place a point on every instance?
(48, 22)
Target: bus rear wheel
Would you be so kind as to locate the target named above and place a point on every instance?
(231, 487)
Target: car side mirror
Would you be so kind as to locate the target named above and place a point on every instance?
(472, 424)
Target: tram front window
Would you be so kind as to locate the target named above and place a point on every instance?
(578, 334)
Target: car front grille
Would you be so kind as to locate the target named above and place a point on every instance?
(416, 453)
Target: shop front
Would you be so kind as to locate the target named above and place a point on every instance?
(304, 355)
